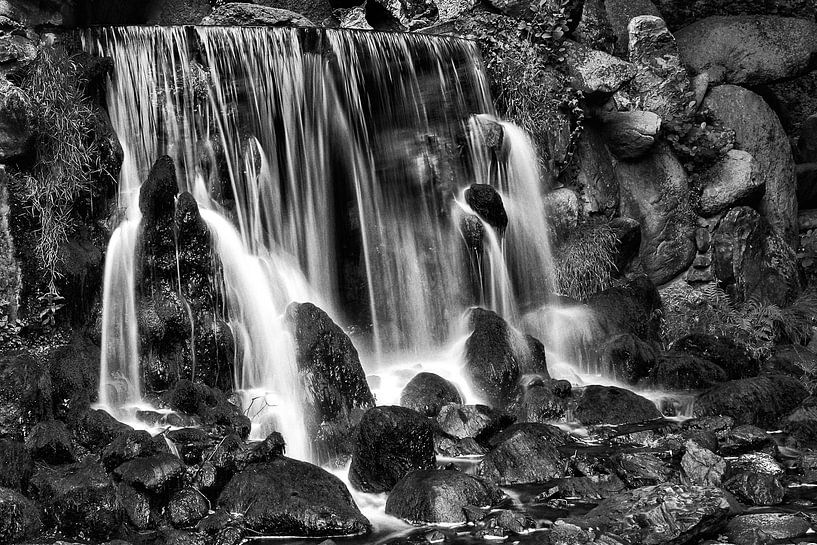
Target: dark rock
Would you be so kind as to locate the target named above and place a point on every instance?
(593, 488)
(25, 393)
(596, 176)
(74, 371)
(152, 473)
(594, 29)
(157, 194)
(664, 513)
(128, 446)
(807, 143)
(680, 13)
(612, 405)
(187, 507)
(450, 446)
(544, 402)
(170, 12)
(801, 424)
(286, 497)
(758, 131)
(472, 231)
(485, 201)
(19, 517)
(620, 13)
(244, 14)
(682, 371)
(95, 428)
(524, 453)
(191, 443)
(790, 360)
(402, 14)
(135, 505)
(753, 261)
(79, 499)
(641, 469)
(439, 496)
(596, 72)
(701, 466)
(628, 234)
(210, 404)
(16, 465)
(511, 521)
(17, 117)
(729, 181)
(722, 351)
(745, 439)
(630, 135)
(270, 448)
(426, 393)
(755, 479)
(762, 48)
(477, 421)
(627, 358)
(760, 528)
(50, 442)
(391, 441)
(334, 379)
(761, 401)
(629, 308)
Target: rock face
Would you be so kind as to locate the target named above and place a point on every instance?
(680, 13)
(596, 72)
(427, 393)
(439, 496)
(525, 453)
(244, 14)
(753, 261)
(664, 513)
(612, 405)
(748, 50)
(758, 131)
(286, 497)
(761, 401)
(731, 179)
(332, 375)
(391, 442)
(655, 192)
(485, 201)
(19, 517)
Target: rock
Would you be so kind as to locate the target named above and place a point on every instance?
(758, 131)
(593, 488)
(632, 308)
(47, 13)
(596, 176)
(806, 194)
(158, 193)
(748, 50)
(801, 424)
(680, 13)
(627, 358)
(25, 393)
(95, 428)
(630, 135)
(734, 359)
(171, 12)
(664, 513)
(19, 517)
(755, 479)
(16, 465)
(807, 143)
(562, 209)
(729, 181)
(761, 401)
(401, 15)
(752, 261)
(128, 446)
(596, 72)
(152, 473)
(620, 13)
(655, 192)
(544, 402)
(594, 29)
(477, 421)
(10, 279)
(209, 405)
(612, 405)
(187, 507)
(745, 439)
(759, 528)
(701, 466)
(190, 443)
(427, 393)
(391, 442)
(628, 234)
(432, 496)
(641, 469)
(680, 371)
(486, 201)
(660, 84)
(286, 497)
(79, 499)
(135, 505)
(330, 368)
(15, 121)
(472, 231)
(244, 14)
(50, 442)
(524, 454)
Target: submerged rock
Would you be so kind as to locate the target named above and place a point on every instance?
(19, 517)
(285, 497)
(391, 442)
(524, 453)
(755, 479)
(439, 496)
(613, 405)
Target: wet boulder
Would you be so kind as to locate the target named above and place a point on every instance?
(524, 453)
(25, 393)
(801, 424)
(761, 401)
(627, 358)
(681, 371)
(135, 506)
(285, 497)
(19, 517)
(613, 405)
(473, 231)
(128, 446)
(729, 181)
(632, 307)
(745, 439)
(701, 466)
(665, 513)
(619, 13)
(432, 496)
(401, 15)
(639, 469)
(544, 401)
(427, 393)
(630, 135)
(596, 72)
(245, 14)
(592, 488)
(477, 421)
(759, 528)
(486, 201)
(95, 428)
(50, 442)
(79, 499)
(209, 404)
(755, 479)
(157, 473)
(391, 441)
(733, 358)
(191, 443)
(187, 507)
(16, 465)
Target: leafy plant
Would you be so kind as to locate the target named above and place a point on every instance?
(583, 263)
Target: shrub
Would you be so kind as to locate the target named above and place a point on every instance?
(583, 263)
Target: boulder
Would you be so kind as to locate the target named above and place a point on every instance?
(244, 14)
(487, 202)
(477, 421)
(595, 72)
(701, 466)
(135, 506)
(745, 439)
(627, 358)
(391, 442)
(665, 513)
(50, 442)
(25, 393)
(186, 507)
(16, 465)
(562, 209)
(596, 176)
(761, 401)
(807, 143)
(473, 231)
(79, 499)
(191, 443)
(95, 428)
(628, 235)
(524, 453)
(655, 192)
(157, 473)
(752, 261)
(543, 402)
(594, 29)
(401, 15)
(19, 517)
(630, 135)
(613, 405)
(734, 359)
(748, 50)
(592, 489)
(427, 393)
(285, 497)
(758, 131)
(16, 118)
(680, 13)
(755, 479)
(432, 496)
(681, 371)
(759, 528)
(801, 424)
(729, 181)
(619, 15)
(639, 469)
(128, 446)
(208, 405)
(632, 307)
